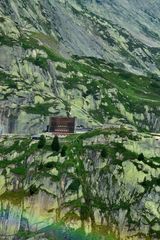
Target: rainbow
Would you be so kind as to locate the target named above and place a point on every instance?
(10, 222)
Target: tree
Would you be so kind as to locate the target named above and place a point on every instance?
(104, 153)
(42, 142)
(141, 157)
(63, 151)
(55, 144)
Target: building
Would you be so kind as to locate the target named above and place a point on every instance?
(62, 125)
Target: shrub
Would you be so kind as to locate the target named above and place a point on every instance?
(42, 142)
(50, 165)
(19, 171)
(74, 186)
(40, 166)
(63, 151)
(104, 153)
(141, 157)
(2, 20)
(55, 144)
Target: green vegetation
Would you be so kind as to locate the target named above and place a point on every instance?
(19, 171)
(55, 144)
(50, 165)
(39, 108)
(8, 80)
(83, 160)
(104, 153)
(74, 186)
(63, 151)
(22, 234)
(84, 175)
(117, 76)
(141, 157)
(17, 145)
(32, 43)
(39, 61)
(132, 91)
(15, 197)
(156, 159)
(41, 142)
(6, 40)
(2, 19)
(115, 92)
(33, 190)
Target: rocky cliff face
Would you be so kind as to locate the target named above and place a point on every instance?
(120, 31)
(97, 184)
(98, 61)
(52, 63)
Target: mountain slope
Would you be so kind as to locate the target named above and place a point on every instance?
(99, 61)
(125, 32)
(101, 184)
(39, 79)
